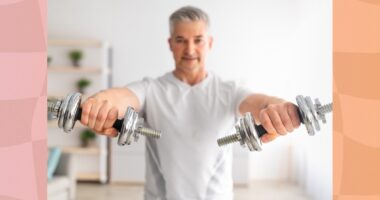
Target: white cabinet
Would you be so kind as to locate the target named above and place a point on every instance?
(91, 163)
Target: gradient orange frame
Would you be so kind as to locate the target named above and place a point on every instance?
(356, 40)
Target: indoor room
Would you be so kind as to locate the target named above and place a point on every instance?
(275, 47)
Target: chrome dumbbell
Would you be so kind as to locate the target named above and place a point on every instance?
(68, 111)
(248, 133)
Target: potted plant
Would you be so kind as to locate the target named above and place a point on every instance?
(82, 84)
(75, 57)
(87, 136)
(49, 59)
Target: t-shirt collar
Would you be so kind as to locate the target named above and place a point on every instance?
(176, 80)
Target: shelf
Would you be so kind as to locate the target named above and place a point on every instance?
(82, 150)
(52, 123)
(93, 162)
(88, 176)
(72, 69)
(62, 95)
(78, 43)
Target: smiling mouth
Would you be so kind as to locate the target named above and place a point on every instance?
(189, 58)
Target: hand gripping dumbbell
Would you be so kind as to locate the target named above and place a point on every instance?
(248, 133)
(68, 111)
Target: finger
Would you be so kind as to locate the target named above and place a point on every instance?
(268, 137)
(111, 118)
(285, 119)
(110, 132)
(294, 116)
(102, 116)
(93, 115)
(276, 121)
(86, 108)
(266, 122)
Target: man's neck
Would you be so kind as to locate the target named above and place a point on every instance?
(191, 78)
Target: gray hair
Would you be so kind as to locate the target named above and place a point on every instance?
(188, 14)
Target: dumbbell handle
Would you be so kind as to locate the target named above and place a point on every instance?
(261, 130)
(117, 125)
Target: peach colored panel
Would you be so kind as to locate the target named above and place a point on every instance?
(360, 115)
(354, 197)
(356, 99)
(357, 74)
(356, 26)
(338, 161)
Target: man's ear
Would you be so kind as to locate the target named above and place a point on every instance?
(170, 43)
(211, 40)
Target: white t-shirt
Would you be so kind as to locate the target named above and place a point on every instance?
(186, 162)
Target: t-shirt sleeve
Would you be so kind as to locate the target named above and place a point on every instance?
(140, 89)
(241, 93)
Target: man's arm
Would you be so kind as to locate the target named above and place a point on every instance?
(276, 115)
(100, 111)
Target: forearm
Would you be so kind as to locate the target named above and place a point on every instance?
(120, 98)
(254, 103)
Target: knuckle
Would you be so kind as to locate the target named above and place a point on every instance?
(288, 124)
(271, 107)
(106, 102)
(292, 108)
(279, 127)
(114, 132)
(112, 117)
(277, 122)
(90, 100)
(268, 126)
(92, 116)
(98, 130)
(263, 114)
(281, 130)
(266, 123)
(101, 117)
(85, 111)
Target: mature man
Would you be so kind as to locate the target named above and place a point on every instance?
(193, 108)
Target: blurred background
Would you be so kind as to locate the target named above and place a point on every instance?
(277, 47)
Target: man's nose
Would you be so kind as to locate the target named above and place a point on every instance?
(190, 48)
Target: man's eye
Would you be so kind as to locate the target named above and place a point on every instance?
(179, 40)
(198, 41)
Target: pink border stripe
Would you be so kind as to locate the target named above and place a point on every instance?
(23, 148)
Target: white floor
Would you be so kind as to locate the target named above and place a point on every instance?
(256, 191)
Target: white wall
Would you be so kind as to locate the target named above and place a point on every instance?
(279, 47)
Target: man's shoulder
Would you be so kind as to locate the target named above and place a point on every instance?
(149, 79)
(217, 79)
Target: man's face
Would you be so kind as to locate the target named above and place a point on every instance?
(190, 44)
